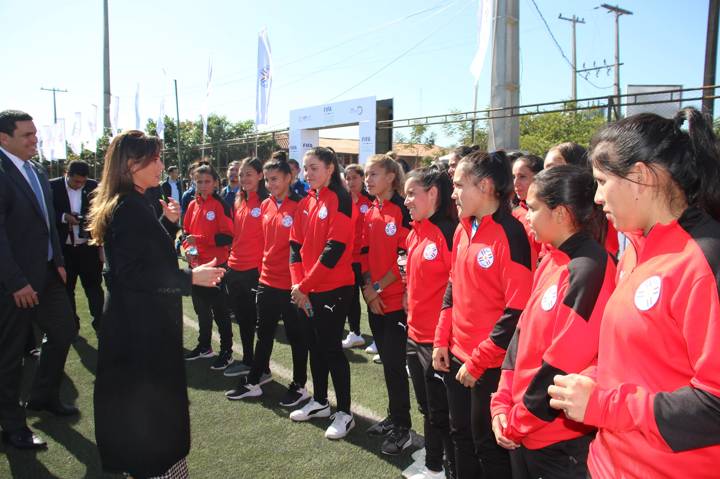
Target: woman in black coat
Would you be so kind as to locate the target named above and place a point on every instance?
(142, 424)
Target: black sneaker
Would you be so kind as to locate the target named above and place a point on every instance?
(398, 440)
(244, 391)
(381, 428)
(199, 353)
(223, 360)
(295, 395)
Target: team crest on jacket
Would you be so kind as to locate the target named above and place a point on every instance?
(322, 214)
(549, 298)
(648, 293)
(210, 215)
(363, 209)
(485, 258)
(390, 229)
(255, 212)
(430, 252)
(287, 221)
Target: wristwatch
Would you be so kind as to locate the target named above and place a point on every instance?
(376, 287)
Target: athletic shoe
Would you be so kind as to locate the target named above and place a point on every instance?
(428, 474)
(199, 353)
(376, 359)
(353, 341)
(372, 349)
(381, 428)
(244, 391)
(237, 369)
(295, 395)
(341, 425)
(265, 378)
(398, 440)
(311, 410)
(223, 360)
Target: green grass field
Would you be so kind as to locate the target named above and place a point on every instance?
(230, 439)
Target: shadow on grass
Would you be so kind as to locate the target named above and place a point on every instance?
(87, 353)
(273, 391)
(201, 377)
(26, 464)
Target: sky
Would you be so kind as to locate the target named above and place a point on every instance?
(415, 51)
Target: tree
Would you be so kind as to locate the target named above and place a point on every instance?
(538, 133)
(461, 131)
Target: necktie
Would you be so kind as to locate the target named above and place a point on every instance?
(35, 185)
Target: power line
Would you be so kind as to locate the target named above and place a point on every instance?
(399, 57)
(557, 44)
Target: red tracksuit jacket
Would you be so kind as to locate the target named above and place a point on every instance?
(429, 258)
(321, 241)
(363, 204)
(657, 399)
(276, 225)
(210, 222)
(489, 285)
(247, 246)
(557, 333)
(386, 228)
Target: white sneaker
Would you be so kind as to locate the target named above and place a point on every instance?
(376, 359)
(311, 410)
(427, 474)
(372, 349)
(341, 425)
(352, 341)
(244, 391)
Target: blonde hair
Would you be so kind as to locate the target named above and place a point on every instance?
(390, 166)
(130, 147)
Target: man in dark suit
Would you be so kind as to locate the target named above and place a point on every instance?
(172, 187)
(32, 288)
(71, 197)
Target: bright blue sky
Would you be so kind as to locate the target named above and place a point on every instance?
(49, 43)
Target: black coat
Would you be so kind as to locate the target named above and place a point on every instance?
(62, 203)
(142, 424)
(24, 232)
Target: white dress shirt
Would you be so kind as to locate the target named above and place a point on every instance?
(75, 197)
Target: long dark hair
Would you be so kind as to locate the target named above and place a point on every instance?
(690, 157)
(574, 188)
(495, 166)
(262, 191)
(436, 176)
(327, 156)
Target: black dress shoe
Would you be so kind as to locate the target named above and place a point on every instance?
(23, 439)
(57, 408)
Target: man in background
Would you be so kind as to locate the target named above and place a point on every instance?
(172, 187)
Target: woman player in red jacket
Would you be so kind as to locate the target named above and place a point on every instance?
(489, 286)
(278, 212)
(245, 259)
(524, 169)
(428, 198)
(321, 241)
(656, 397)
(558, 330)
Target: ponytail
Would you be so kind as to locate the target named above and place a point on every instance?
(328, 156)
(495, 166)
(390, 166)
(278, 161)
(438, 177)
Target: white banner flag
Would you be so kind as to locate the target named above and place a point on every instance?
(206, 105)
(91, 133)
(76, 138)
(160, 125)
(114, 112)
(137, 108)
(264, 79)
(485, 27)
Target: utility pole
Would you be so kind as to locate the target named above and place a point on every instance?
(708, 104)
(106, 70)
(575, 20)
(54, 90)
(618, 12)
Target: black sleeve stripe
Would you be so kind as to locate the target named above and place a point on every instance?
(227, 209)
(705, 231)
(504, 329)
(295, 256)
(516, 236)
(344, 199)
(222, 239)
(447, 227)
(688, 418)
(400, 202)
(511, 355)
(586, 277)
(536, 398)
(294, 196)
(332, 253)
(447, 298)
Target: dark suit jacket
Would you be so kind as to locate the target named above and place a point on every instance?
(168, 190)
(62, 203)
(23, 231)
